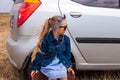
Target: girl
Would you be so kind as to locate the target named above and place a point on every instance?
(53, 51)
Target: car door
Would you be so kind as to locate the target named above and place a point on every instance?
(95, 27)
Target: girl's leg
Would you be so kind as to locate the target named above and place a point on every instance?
(59, 79)
(62, 79)
(52, 79)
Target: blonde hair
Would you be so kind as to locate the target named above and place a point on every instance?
(49, 23)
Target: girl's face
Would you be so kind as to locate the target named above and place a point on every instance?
(62, 28)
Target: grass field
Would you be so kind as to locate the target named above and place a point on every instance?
(8, 72)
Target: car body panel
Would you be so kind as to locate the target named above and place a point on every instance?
(93, 31)
(24, 39)
(92, 23)
(107, 27)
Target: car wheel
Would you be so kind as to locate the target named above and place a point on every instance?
(73, 62)
(74, 68)
(27, 70)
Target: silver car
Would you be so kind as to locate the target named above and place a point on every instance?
(93, 28)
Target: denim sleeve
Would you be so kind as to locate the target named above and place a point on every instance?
(37, 62)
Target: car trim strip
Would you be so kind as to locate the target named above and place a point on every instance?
(97, 40)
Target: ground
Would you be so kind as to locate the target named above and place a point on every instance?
(8, 72)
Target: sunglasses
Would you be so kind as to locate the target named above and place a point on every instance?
(65, 27)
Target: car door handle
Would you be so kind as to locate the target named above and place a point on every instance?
(75, 14)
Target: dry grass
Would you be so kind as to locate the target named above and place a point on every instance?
(8, 72)
(98, 75)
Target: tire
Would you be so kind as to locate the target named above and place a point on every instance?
(73, 62)
(27, 70)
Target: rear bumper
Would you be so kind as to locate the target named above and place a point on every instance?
(10, 48)
(19, 50)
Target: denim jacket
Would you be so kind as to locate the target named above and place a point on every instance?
(52, 48)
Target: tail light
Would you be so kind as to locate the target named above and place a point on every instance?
(26, 9)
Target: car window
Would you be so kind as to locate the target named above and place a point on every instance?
(18, 1)
(100, 3)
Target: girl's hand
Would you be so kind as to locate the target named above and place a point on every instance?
(33, 73)
(71, 71)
